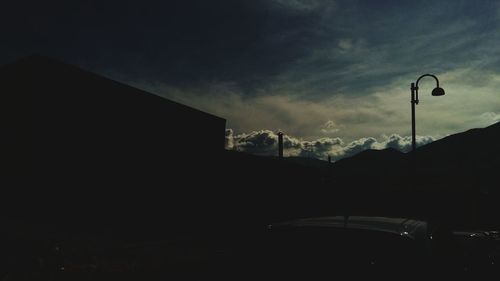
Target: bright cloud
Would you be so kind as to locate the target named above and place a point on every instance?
(265, 142)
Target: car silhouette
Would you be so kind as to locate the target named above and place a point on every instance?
(361, 247)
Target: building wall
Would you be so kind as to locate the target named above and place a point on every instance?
(73, 131)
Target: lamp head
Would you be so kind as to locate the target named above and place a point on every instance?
(438, 91)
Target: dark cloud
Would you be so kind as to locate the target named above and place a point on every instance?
(316, 45)
(178, 42)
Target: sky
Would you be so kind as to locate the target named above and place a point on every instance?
(334, 76)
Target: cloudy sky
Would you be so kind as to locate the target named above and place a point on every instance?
(333, 75)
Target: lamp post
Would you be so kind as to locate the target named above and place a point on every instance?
(414, 100)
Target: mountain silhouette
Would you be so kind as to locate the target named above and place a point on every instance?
(308, 162)
(474, 150)
(451, 177)
(371, 158)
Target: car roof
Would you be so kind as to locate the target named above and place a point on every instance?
(414, 229)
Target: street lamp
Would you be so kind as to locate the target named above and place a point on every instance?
(414, 100)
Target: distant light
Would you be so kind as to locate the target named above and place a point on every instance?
(404, 233)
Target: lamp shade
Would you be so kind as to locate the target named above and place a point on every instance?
(438, 91)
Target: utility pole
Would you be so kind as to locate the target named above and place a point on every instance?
(280, 145)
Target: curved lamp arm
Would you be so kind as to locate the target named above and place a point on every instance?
(418, 80)
(431, 75)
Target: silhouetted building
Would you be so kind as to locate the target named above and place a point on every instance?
(77, 115)
(65, 127)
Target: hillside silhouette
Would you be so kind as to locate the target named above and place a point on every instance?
(452, 177)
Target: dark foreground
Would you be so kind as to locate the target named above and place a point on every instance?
(257, 254)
